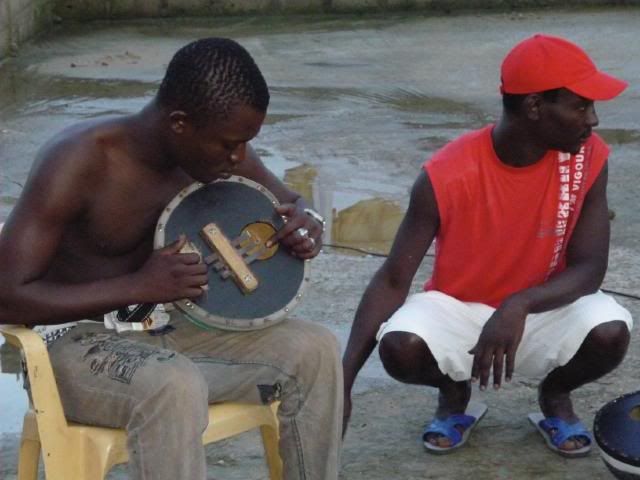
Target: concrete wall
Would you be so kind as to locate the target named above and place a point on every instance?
(92, 9)
(21, 20)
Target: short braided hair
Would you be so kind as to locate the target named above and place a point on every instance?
(209, 77)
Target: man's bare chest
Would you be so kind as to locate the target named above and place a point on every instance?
(122, 218)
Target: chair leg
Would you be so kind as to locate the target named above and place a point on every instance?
(270, 440)
(29, 454)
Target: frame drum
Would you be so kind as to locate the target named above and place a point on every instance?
(227, 223)
(617, 432)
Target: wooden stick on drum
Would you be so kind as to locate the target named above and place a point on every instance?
(218, 242)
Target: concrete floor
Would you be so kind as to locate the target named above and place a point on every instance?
(359, 102)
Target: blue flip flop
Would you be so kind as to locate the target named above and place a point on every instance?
(556, 431)
(447, 428)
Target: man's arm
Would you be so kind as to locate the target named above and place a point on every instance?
(587, 257)
(390, 285)
(292, 206)
(55, 197)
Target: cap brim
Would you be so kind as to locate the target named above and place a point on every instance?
(599, 86)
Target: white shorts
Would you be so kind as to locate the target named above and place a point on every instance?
(451, 328)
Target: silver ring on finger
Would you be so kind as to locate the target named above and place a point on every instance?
(303, 232)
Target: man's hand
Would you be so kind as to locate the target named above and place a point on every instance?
(302, 234)
(500, 338)
(169, 275)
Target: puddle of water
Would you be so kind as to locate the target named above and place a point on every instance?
(273, 118)
(412, 100)
(27, 91)
(335, 65)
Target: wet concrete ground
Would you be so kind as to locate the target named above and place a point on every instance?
(357, 104)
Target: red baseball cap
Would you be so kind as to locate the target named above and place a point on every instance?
(543, 62)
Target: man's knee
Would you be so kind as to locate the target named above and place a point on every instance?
(608, 340)
(315, 350)
(176, 382)
(313, 368)
(173, 412)
(406, 357)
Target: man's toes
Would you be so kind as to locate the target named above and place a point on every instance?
(443, 442)
(439, 441)
(567, 446)
(573, 444)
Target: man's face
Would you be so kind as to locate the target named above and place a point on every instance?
(213, 151)
(566, 123)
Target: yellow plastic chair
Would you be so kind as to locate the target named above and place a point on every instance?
(72, 451)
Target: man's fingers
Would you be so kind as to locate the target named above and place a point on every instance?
(190, 258)
(193, 292)
(297, 236)
(511, 363)
(285, 231)
(200, 280)
(481, 365)
(192, 269)
(498, 360)
(286, 209)
(305, 246)
(485, 369)
(474, 365)
(175, 246)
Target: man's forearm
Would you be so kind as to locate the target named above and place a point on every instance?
(566, 287)
(379, 302)
(43, 302)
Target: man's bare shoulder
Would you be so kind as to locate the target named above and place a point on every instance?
(69, 169)
(81, 147)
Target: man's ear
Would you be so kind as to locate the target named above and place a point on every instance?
(532, 104)
(178, 121)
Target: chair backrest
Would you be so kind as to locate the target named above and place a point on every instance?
(44, 391)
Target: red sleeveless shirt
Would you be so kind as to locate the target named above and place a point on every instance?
(503, 228)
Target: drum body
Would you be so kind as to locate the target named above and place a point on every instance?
(617, 433)
(234, 206)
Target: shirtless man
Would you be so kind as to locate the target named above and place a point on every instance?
(519, 214)
(78, 245)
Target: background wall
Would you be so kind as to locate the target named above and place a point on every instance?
(126, 8)
(21, 20)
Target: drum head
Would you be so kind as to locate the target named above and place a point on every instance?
(617, 433)
(234, 205)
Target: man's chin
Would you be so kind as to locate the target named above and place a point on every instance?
(573, 149)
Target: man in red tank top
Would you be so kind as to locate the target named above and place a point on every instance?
(518, 211)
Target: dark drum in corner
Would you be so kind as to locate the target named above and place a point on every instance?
(617, 432)
(227, 223)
